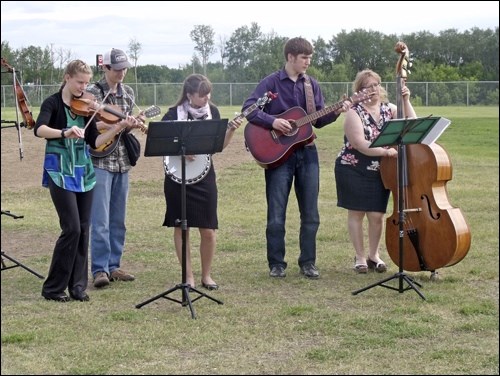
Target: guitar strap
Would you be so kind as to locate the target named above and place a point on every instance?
(101, 88)
(109, 99)
(311, 107)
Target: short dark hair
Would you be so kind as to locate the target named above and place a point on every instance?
(297, 46)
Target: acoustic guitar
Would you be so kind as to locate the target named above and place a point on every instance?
(108, 147)
(271, 148)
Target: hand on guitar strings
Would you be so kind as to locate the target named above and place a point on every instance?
(282, 125)
(131, 122)
(141, 119)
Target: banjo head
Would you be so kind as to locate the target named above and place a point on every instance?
(196, 169)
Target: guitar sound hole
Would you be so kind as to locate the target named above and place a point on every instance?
(293, 131)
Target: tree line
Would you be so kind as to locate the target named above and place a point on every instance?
(248, 55)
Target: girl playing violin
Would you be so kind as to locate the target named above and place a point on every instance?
(69, 174)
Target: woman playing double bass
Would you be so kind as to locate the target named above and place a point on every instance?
(360, 189)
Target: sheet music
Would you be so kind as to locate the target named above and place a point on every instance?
(436, 131)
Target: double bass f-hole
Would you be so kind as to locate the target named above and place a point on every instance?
(429, 207)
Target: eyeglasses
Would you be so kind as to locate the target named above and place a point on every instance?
(372, 86)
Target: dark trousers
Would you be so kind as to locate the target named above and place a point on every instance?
(69, 266)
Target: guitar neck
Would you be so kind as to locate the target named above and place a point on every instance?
(247, 111)
(122, 116)
(316, 115)
(268, 97)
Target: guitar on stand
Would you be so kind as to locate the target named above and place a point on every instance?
(198, 167)
(271, 148)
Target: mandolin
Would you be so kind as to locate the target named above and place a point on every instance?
(108, 147)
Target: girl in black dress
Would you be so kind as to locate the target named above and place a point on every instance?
(201, 196)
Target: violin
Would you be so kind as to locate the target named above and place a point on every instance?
(22, 101)
(435, 233)
(87, 105)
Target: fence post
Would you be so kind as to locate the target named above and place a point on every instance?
(467, 94)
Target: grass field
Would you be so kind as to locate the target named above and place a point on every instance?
(264, 326)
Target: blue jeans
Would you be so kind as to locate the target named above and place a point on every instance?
(107, 231)
(301, 169)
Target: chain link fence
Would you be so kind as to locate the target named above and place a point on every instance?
(461, 93)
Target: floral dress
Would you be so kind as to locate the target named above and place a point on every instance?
(357, 176)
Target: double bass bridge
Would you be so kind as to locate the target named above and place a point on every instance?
(412, 210)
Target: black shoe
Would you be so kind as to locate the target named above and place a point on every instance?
(379, 267)
(210, 286)
(81, 296)
(309, 271)
(61, 298)
(277, 272)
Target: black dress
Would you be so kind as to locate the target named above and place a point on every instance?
(201, 197)
(357, 176)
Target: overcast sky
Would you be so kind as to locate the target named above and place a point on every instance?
(88, 28)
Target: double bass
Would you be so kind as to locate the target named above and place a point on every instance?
(435, 234)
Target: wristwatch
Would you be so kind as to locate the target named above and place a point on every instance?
(62, 133)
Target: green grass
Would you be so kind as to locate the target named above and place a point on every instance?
(266, 326)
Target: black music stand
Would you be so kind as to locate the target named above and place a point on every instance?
(402, 132)
(16, 263)
(168, 138)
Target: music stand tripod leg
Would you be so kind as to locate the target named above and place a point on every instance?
(202, 294)
(401, 276)
(17, 263)
(412, 284)
(186, 288)
(186, 301)
(379, 283)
